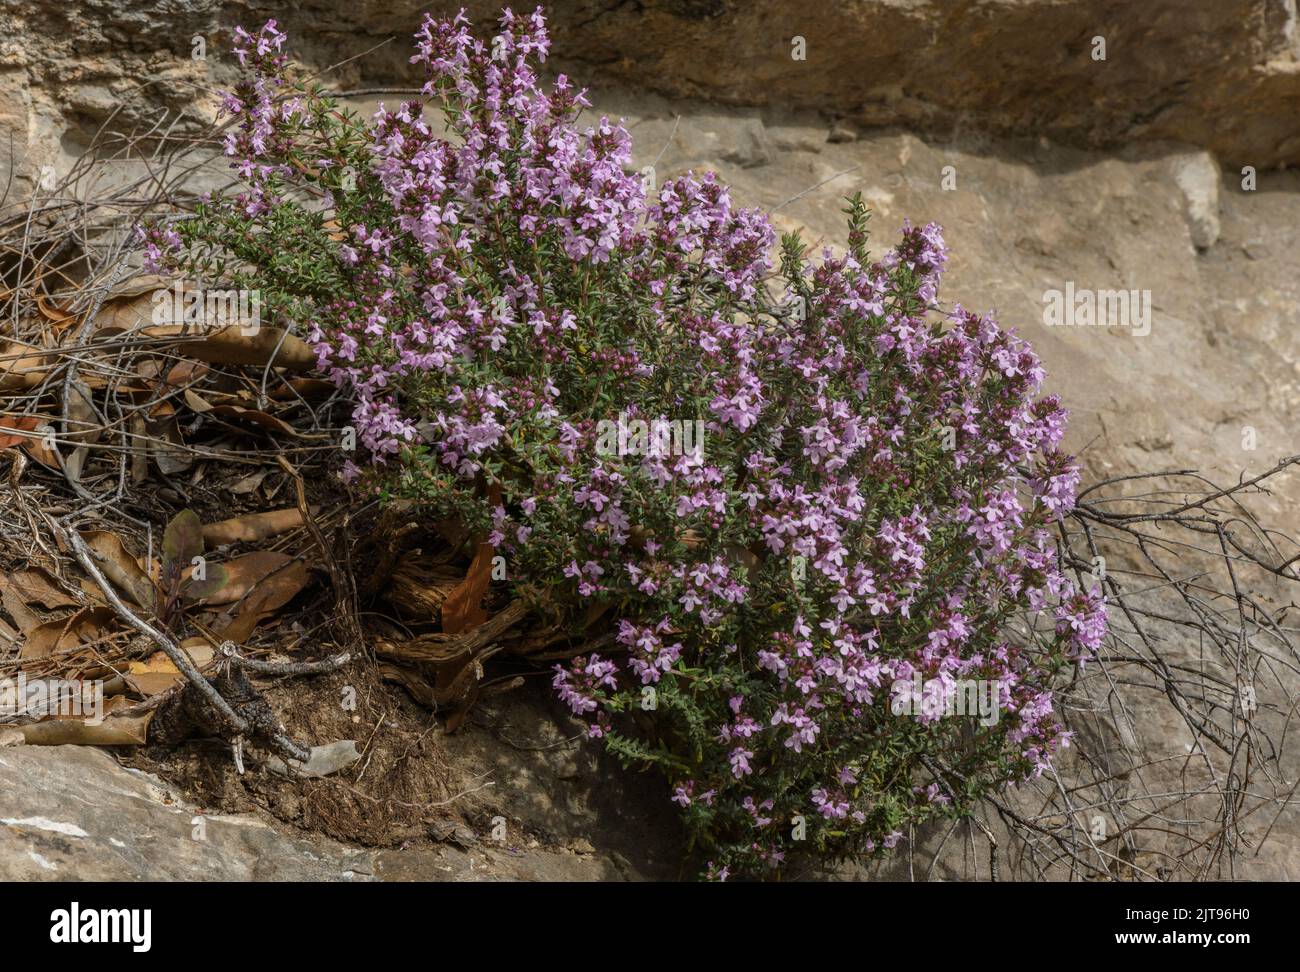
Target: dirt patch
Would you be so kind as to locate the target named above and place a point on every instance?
(517, 776)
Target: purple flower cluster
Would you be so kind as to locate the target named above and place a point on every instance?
(872, 500)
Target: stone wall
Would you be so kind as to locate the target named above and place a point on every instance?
(1217, 74)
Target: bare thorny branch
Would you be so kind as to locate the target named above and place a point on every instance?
(1179, 769)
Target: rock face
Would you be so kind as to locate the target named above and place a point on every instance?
(1222, 75)
(71, 813)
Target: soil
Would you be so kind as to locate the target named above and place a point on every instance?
(517, 773)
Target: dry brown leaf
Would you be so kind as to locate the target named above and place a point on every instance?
(271, 593)
(120, 567)
(140, 303)
(308, 388)
(155, 674)
(241, 414)
(33, 443)
(185, 373)
(88, 624)
(82, 427)
(161, 409)
(153, 683)
(199, 650)
(252, 527)
(35, 586)
(195, 401)
(257, 417)
(215, 345)
(51, 312)
(15, 606)
(22, 367)
(113, 731)
(250, 483)
(244, 573)
(166, 446)
(145, 283)
(156, 664)
(229, 345)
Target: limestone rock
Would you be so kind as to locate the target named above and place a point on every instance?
(72, 813)
(1197, 176)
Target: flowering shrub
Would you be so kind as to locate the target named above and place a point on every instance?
(865, 511)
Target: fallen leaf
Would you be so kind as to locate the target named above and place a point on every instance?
(256, 417)
(113, 731)
(23, 367)
(157, 663)
(199, 650)
(231, 344)
(166, 446)
(241, 575)
(145, 283)
(183, 539)
(155, 674)
(88, 624)
(271, 593)
(242, 414)
(150, 684)
(215, 579)
(15, 606)
(185, 373)
(196, 402)
(35, 586)
(52, 312)
(122, 569)
(160, 410)
(36, 441)
(81, 427)
(252, 527)
(303, 388)
(250, 483)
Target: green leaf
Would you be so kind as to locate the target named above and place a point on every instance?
(182, 540)
(217, 577)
